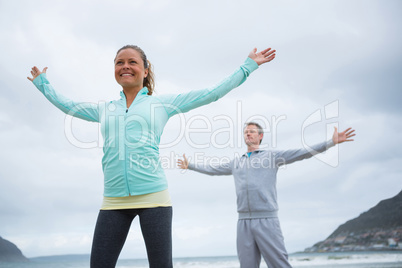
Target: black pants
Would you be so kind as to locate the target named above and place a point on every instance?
(112, 228)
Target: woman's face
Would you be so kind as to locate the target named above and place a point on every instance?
(129, 69)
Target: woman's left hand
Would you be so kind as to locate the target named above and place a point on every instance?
(262, 57)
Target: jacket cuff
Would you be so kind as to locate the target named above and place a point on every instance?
(250, 64)
(191, 166)
(330, 143)
(40, 80)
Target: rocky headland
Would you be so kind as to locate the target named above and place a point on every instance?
(380, 228)
(10, 253)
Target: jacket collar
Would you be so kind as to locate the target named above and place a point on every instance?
(142, 92)
(257, 151)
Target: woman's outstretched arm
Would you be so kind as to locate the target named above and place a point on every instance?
(185, 102)
(84, 110)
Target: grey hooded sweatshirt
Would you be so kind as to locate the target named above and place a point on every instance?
(255, 177)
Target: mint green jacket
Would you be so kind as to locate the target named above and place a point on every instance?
(131, 135)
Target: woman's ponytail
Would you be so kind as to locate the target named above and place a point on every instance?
(149, 81)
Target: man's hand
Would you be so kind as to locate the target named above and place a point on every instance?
(340, 137)
(183, 164)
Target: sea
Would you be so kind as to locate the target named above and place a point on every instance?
(315, 260)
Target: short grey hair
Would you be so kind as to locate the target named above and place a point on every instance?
(259, 128)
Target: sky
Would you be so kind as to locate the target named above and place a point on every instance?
(338, 64)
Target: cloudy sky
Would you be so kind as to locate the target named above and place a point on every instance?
(338, 64)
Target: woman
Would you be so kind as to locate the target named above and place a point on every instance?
(134, 181)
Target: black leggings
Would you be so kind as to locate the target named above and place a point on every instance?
(112, 229)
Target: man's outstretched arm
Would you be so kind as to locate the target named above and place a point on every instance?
(206, 168)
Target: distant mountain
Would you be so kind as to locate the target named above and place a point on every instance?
(10, 253)
(380, 228)
(63, 258)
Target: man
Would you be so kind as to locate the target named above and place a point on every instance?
(258, 229)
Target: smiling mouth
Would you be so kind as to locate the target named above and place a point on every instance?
(126, 75)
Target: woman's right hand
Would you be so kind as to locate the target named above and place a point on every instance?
(183, 164)
(35, 73)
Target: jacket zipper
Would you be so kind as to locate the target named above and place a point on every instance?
(125, 146)
(125, 151)
(247, 180)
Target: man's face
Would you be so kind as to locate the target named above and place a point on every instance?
(251, 136)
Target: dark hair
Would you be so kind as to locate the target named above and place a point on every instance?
(149, 81)
(259, 128)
